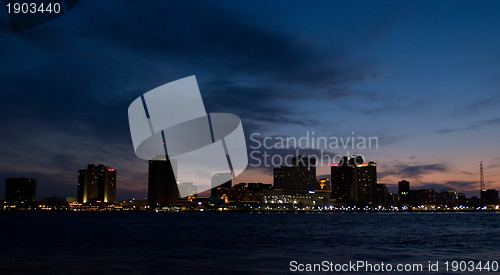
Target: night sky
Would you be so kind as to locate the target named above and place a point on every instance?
(421, 76)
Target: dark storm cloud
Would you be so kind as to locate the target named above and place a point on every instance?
(438, 187)
(450, 186)
(259, 108)
(462, 185)
(489, 122)
(227, 50)
(415, 171)
(476, 106)
(66, 85)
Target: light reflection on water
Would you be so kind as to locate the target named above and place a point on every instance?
(215, 243)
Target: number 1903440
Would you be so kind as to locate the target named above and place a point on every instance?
(33, 8)
(472, 266)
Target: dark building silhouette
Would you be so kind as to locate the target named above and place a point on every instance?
(449, 198)
(404, 192)
(342, 175)
(307, 163)
(239, 193)
(354, 181)
(219, 190)
(162, 184)
(20, 190)
(294, 179)
(489, 197)
(403, 187)
(300, 178)
(96, 183)
(425, 196)
(258, 187)
(382, 194)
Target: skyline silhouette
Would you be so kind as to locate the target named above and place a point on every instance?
(424, 81)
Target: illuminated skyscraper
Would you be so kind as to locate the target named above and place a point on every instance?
(20, 190)
(96, 183)
(162, 184)
(365, 187)
(354, 181)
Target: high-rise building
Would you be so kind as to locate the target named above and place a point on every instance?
(403, 187)
(305, 162)
(489, 197)
(20, 190)
(354, 181)
(342, 175)
(294, 179)
(365, 191)
(382, 194)
(162, 184)
(300, 178)
(404, 192)
(96, 184)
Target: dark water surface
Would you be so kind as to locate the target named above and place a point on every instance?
(237, 243)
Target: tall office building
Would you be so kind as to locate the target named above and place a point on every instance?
(342, 175)
(294, 179)
(489, 197)
(404, 192)
(162, 184)
(403, 187)
(307, 163)
(354, 181)
(300, 178)
(96, 184)
(382, 196)
(20, 190)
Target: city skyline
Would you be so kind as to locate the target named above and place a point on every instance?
(421, 77)
(352, 181)
(353, 187)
